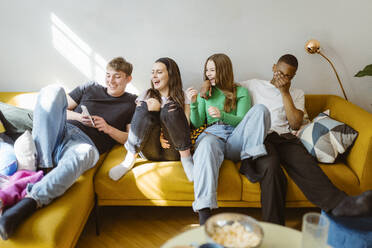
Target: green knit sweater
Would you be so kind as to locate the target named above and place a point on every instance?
(199, 109)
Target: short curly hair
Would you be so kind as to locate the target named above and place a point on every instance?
(289, 59)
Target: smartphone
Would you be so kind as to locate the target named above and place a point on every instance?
(86, 112)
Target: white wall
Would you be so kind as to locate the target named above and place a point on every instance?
(44, 42)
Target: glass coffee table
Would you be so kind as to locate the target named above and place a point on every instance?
(274, 236)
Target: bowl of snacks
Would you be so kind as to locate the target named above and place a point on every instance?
(234, 230)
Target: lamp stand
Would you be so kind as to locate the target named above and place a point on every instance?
(334, 69)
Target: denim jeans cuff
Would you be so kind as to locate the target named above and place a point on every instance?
(183, 147)
(253, 152)
(45, 163)
(209, 201)
(129, 148)
(32, 195)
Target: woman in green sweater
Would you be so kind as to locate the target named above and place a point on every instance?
(235, 130)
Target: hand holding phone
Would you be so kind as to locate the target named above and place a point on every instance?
(85, 112)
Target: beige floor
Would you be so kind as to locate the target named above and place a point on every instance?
(151, 226)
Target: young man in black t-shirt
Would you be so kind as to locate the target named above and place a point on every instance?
(70, 141)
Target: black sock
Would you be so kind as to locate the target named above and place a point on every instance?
(248, 170)
(360, 205)
(45, 170)
(15, 215)
(204, 214)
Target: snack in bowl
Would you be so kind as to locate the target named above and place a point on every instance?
(234, 230)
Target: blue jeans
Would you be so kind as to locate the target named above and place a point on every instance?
(59, 143)
(218, 142)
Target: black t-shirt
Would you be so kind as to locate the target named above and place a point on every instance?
(117, 111)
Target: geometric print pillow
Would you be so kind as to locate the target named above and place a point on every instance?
(325, 138)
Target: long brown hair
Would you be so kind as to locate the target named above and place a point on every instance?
(224, 79)
(174, 83)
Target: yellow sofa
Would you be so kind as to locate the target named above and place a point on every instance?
(165, 184)
(60, 223)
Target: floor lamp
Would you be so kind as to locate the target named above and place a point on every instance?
(313, 46)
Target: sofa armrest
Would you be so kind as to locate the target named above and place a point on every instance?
(359, 158)
(25, 100)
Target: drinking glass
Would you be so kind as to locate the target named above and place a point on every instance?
(314, 230)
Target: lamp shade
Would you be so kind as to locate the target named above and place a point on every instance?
(312, 46)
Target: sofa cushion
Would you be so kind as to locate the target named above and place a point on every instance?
(16, 120)
(325, 138)
(157, 183)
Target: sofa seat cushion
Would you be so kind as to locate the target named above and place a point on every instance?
(154, 181)
(340, 175)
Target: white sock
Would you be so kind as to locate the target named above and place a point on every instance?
(188, 166)
(121, 169)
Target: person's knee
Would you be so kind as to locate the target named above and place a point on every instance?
(52, 91)
(87, 155)
(273, 168)
(153, 104)
(171, 107)
(172, 113)
(208, 141)
(262, 109)
(52, 95)
(208, 146)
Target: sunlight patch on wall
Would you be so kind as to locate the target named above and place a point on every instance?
(70, 46)
(79, 53)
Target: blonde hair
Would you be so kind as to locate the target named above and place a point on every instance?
(120, 64)
(224, 79)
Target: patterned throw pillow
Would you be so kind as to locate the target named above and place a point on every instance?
(325, 138)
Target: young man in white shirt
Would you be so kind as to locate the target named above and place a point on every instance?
(286, 106)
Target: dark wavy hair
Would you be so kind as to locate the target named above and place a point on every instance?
(174, 82)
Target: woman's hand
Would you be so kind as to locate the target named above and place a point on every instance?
(191, 93)
(164, 143)
(153, 104)
(206, 90)
(101, 124)
(214, 112)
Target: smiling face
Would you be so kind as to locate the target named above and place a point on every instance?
(210, 72)
(159, 76)
(116, 82)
